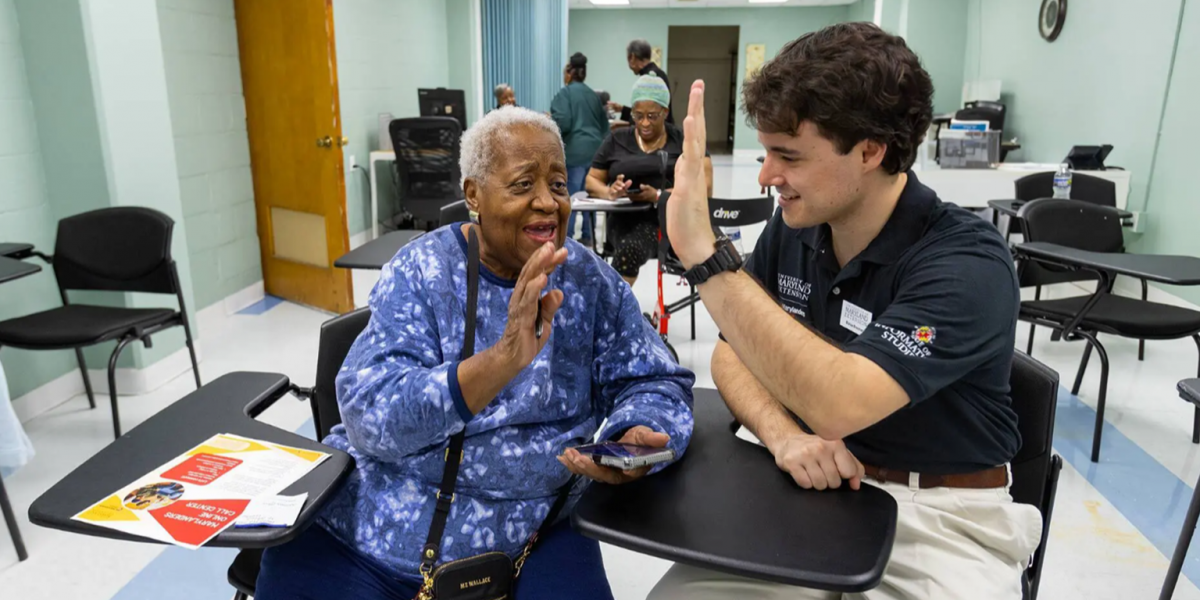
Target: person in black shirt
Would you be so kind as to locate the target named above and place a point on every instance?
(637, 54)
(639, 163)
(870, 337)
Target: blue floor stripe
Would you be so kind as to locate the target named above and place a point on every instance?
(1147, 493)
(182, 574)
(262, 306)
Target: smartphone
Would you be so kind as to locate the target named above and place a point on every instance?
(626, 456)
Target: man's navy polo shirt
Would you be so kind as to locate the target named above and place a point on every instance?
(933, 301)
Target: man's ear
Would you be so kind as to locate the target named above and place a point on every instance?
(872, 153)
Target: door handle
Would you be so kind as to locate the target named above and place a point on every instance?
(345, 140)
(325, 142)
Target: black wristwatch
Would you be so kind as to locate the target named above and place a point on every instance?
(725, 258)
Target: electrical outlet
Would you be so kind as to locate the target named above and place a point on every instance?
(1138, 224)
(353, 162)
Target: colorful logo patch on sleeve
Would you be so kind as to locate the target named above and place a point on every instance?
(924, 334)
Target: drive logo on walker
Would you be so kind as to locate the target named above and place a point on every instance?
(794, 293)
(721, 213)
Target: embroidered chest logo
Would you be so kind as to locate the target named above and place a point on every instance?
(924, 334)
(794, 293)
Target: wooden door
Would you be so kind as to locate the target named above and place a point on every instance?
(289, 79)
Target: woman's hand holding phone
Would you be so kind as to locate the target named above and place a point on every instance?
(639, 435)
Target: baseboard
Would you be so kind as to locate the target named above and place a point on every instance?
(134, 382)
(48, 396)
(214, 318)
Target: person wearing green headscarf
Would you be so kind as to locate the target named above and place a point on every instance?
(638, 162)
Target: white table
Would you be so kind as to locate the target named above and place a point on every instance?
(373, 158)
(972, 188)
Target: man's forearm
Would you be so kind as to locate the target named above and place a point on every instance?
(749, 401)
(836, 393)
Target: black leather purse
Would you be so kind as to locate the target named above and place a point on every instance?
(488, 576)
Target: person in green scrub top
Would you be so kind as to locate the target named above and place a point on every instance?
(580, 116)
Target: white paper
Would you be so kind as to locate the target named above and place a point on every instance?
(747, 435)
(272, 511)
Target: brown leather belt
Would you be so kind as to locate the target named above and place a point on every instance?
(995, 477)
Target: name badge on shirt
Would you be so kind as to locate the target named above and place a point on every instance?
(855, 318)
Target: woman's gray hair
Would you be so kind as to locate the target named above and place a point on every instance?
(479, 143)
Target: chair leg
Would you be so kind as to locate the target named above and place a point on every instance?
(1096, 435)
(692, 295)
(1087, 353)
(10, 519)
(1142, 343)
(1029, 346)
(87, 381)
(112, 384)
(191, 346)
(240, 596)
(1181, 547)
(1196, 413)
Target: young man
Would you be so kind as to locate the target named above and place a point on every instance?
(637, 55)
(870, 337)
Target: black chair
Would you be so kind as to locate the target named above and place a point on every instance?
(1086, 188)
(1095, 228)
(10, 519)
(454, 213)
(722, 213)
(119, 249)
(1189, 389)
(426, 168)
(1035, 468)
(337, 335)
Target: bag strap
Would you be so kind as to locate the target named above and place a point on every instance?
(445, 495)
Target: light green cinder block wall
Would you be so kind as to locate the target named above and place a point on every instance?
(936, 30)
(603, 35)
(25, 210)
(212, 151)
(386, 50)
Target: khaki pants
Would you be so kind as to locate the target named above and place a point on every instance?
(950, 544)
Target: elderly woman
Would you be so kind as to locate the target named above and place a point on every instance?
(522, 399)
(504, 95)
(630, 163)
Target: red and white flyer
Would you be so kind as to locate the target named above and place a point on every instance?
(192, 498)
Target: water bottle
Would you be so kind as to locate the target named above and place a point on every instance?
(1062, 181)
(735, 237)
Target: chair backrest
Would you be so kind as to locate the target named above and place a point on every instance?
(337, 335)
(1072, 223)
(1034, 392)
(741, 212)
(121, 249)
(427, 151)
(456, 212)
(984, 110)
(1088, 188)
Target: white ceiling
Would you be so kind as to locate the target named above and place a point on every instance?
(576, 4)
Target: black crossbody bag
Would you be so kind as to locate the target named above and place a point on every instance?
(488, 576)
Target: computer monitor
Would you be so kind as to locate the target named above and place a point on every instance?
(442, 102)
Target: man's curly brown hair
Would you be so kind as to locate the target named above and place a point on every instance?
(855, 82)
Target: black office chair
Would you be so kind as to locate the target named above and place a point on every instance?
(119, 249)
(1035, 469)
(1098, 229)
(337, 335)
(10, 519)
(454, 213)
(722, 213)
(1086, 188)
(426, 167)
